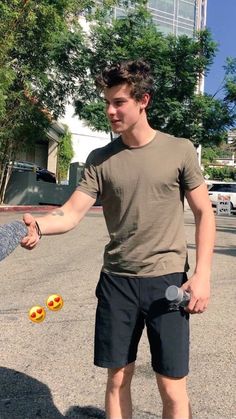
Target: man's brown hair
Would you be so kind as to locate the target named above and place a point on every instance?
(136, 73)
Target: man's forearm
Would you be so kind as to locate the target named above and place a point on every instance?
(56, 222)
(205, 239)
(67, 216)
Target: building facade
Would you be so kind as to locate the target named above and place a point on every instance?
(179, 17)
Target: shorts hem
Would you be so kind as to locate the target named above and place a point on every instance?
(170, 374)
(108, 364)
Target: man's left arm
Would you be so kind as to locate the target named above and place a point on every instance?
(199, 283)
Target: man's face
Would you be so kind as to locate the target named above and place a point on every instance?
(122, 110)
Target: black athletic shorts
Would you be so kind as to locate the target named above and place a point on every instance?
(125, 306)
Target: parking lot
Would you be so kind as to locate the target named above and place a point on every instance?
(47, 369)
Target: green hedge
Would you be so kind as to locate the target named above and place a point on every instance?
(65, 155)
(221, 173)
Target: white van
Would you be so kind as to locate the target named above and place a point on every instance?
(222, 191)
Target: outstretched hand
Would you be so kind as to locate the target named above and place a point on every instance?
(199, 289)
(32, 238)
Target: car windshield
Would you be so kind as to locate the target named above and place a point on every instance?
(223, 187)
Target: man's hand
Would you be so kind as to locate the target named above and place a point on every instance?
(199, 289)
(32, 238)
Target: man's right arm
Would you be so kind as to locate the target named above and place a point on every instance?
(58, 221)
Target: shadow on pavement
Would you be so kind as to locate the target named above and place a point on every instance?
(24, 397)
(86, 412)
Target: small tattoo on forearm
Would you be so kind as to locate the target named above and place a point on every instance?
(58, 212)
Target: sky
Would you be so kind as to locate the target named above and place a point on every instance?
(221, 20)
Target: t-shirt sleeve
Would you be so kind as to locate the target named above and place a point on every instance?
(191, 175)
(89, 179)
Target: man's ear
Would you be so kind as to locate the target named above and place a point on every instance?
(145, 100)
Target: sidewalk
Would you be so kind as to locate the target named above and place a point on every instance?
(47, 369)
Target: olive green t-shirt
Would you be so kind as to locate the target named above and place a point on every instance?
(142, 194)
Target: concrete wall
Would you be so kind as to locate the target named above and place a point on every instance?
(24, 189)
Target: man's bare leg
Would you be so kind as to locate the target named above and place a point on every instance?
(118, 393)
(174, 396)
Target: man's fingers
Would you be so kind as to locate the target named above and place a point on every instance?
(201, 306)
(29, 244)
(191, 305)
(196, 306)
(32, 238)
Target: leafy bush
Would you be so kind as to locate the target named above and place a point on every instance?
(226, 173)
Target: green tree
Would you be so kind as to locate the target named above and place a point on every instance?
(42, 60)
(227, 87)
(210, 154)
(39, 41)
(178, 64)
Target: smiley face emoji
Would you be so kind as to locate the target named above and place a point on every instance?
(54, 302)
(37, 314)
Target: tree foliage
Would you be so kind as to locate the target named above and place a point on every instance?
(42, 60)
(178, 65)
(65, 155)
(211, 154)
(32, 33)
(39, 40)
(226, 173)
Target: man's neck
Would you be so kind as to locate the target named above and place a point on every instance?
(138, 137)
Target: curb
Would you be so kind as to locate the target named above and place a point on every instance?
(36, 208)
(26, 208)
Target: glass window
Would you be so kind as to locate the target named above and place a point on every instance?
(165, 28)
(232, 188)
(223, 187)
(184, 31)
(186, 10)
(163, 5)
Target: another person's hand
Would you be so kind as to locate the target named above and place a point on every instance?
(199, 289)
(33, 236)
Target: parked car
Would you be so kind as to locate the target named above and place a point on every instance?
(41, 173)
(225, 191)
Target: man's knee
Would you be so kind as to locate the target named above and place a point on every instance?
(120, 377)
(172, 390)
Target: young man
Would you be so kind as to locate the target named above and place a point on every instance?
(141, 178)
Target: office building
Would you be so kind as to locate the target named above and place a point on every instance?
(176, 16)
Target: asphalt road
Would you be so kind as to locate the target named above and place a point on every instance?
(47, 369)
